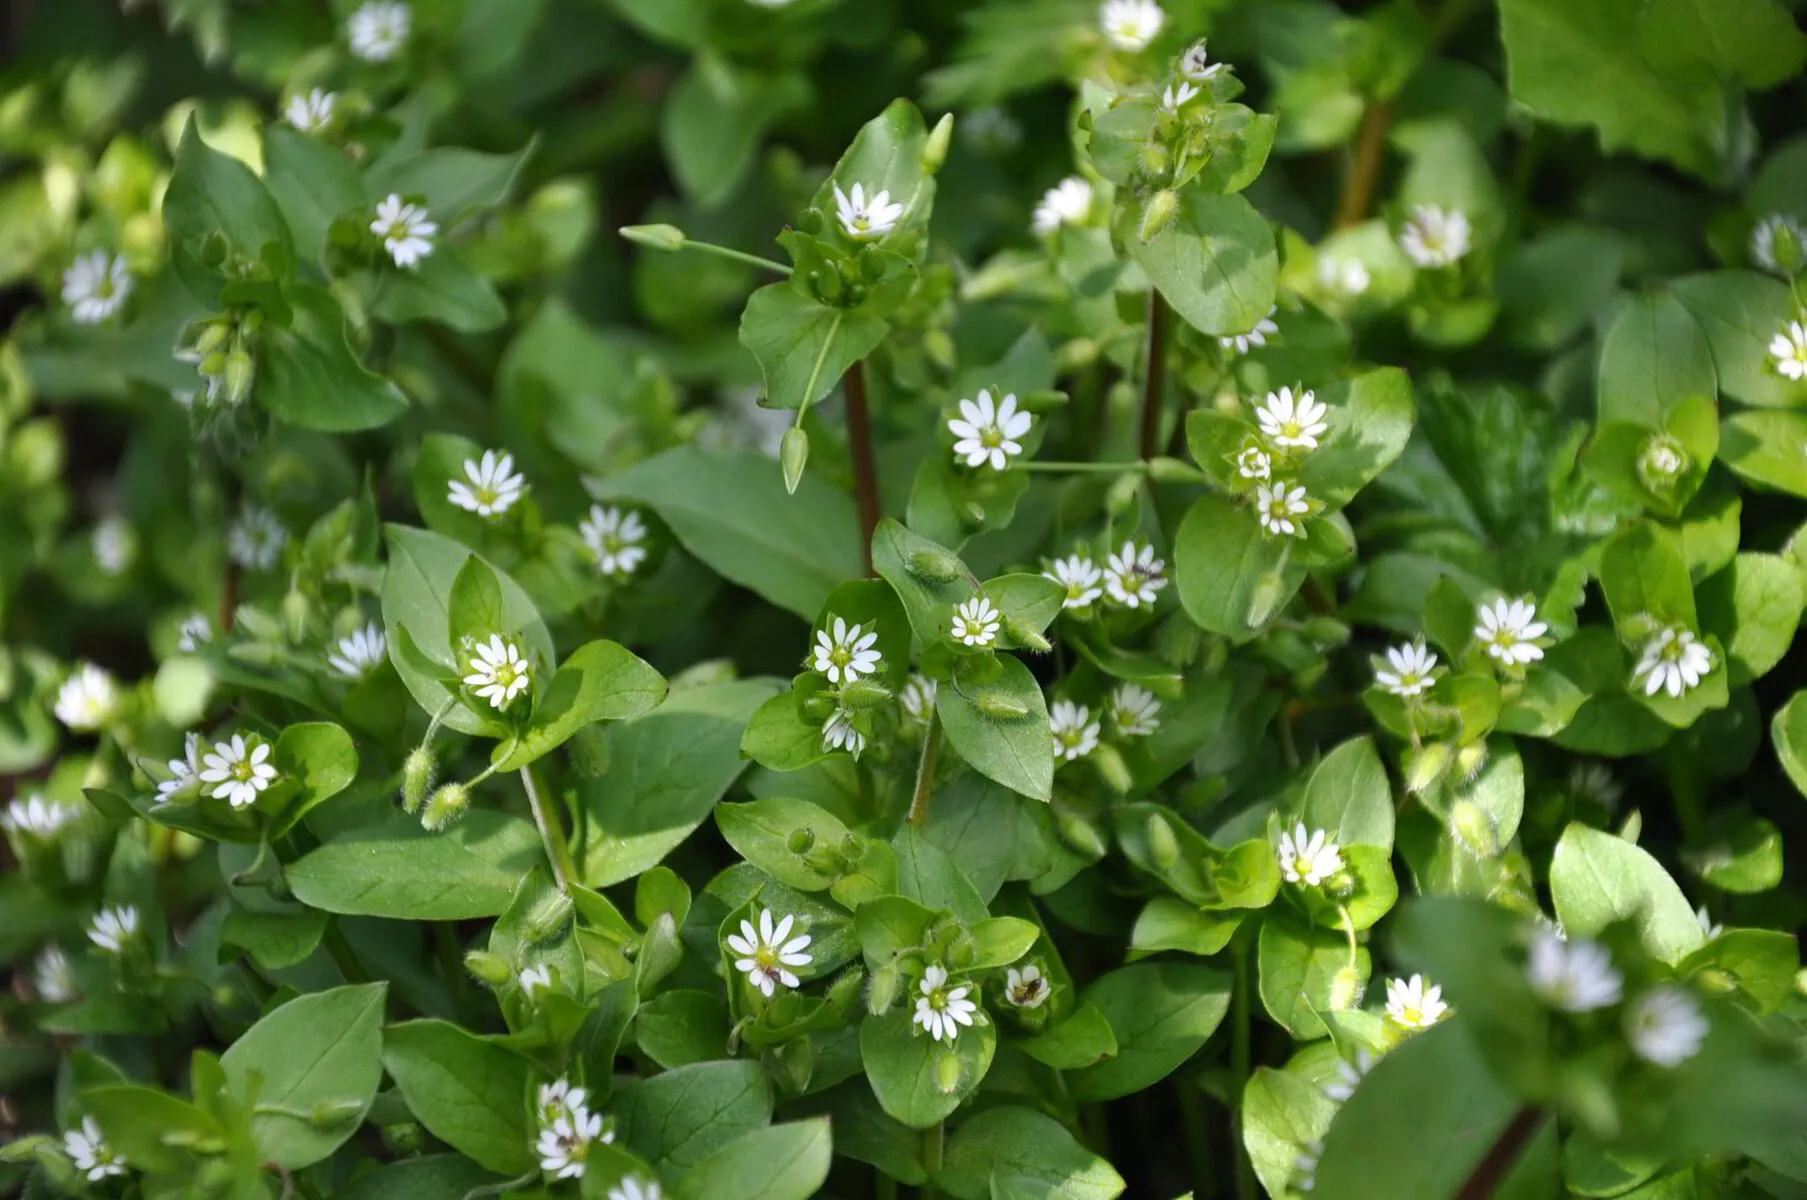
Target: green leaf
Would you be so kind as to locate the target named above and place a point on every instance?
(1596, 879)
(1764, 448)
(1754, 608)
(319, 760)
(1215, 263)
(431, 1177)
(149, 1128)
(1740, 311)
(394, 868)
(318, 1055)
(214, 199)
(1082, 1039)
(1762, 961)
(1654, 357)
(312, 182)
(475, 609)
(470, 1092)
(1643, 573)
(902, 1064)
(803, 345)
(785, 1162)
(1788, 730)
(930, 580)
(308, 377)
(601, 681)
(761, 833)
(1752, 41)
(1350, 796)
(1161, 1014)
(1016, 751)
(454, 181)
(442, 288)
(1169, 924)
(713, 120)
(682, 1117)
(274, 940)
(1037, 1153)
(680, 1027)
(1370, 423)
(1000, 941)
(886, 156)
(1297, 973)
(928, 876)
(779, 739)
(1281, 1115)
(1233, 578)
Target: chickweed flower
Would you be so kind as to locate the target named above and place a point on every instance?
(989, 434)
(51, 977)
(194, 632)
(1776, 243)
(564, 1145)
(1508, 631)
(498, 671)
(311, 111)
(1408, 670)
(1242, 343)
(866, 220)
(112, 542)
(616, 538)
(558, 1099)
(360, 653)
(1343, 276)
(1573, 975)
(114, 928)
(1789, 349)
(37, 817)
(766, 956)
(184, 772)
(1080, 576)
(1661, 463)
(1709, 928)
(1027, 988)
(490, 486)
(633, 1187)
(535, 979)
(1292, 423)
(1134, 710)
(378, 31)
(839, 733)
(1673, 661)
(1130, 25)
(1308, 857)
(1075, 733)
(1196, 64)
(1433, 237)
(1133, 576)
(87, 700)
(941, 1010)
(406, 229)
(1665, 1026)
(1412, 1005)
(1305, 1165)
(1252, 462)
(255, 540)
(88, 1151)
(1068, 203)
(918, 698)
(95, 286)
(1281, 509)
(976, 622)
(1177, 96)
(1349, 1075)
(237, 771)
(846, 653)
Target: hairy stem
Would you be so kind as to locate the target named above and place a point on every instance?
(865, 468)
(1155, 380)
(551, 832)
(1364, 172)
(925, 773)
(1502, 1155)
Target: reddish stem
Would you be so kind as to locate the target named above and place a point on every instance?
(865, 469)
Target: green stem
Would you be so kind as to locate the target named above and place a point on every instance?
(343, 956)
(884, 1187)
(1342, 910)
(1198, 1147)
(1240, 1059)
(739, 256)
(815, 368)
(933, 1139)
(1154, 388)
(925, 773)
(551, 833)
(498, 1189)
(865, 466)
(1136, 466)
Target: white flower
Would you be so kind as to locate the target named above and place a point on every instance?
(1068, 203)
(535, 979)
(51, 977)
(1134, 710)
(632, 1188)
(1507, 631)
(865, 221)
(237, 770)
(1673, 661)
(1343, 276)
(87, 1149)
(1027, 988)
(976, 622)
(1242, 343)
(1196, 64)
(1349, 1075)
(847, 654)
(1308, 857)
(1412, 1005)
(1280, 509)
(255, 540)
(37, 817)
(1131, 24)
(941, 1010)
(184, 772)
(1708, 928)
(616, 538)
(312, 111)
(1294, 423)
(1595, 781)
(1433, 237)
(378, 31)
(1661, 462)
(1763, 242)
(360, 653)
(1789, 349)
(838, 733)
(766, 957)
(987, 434)
(1080, 576)
(112, 541)
(95, 286)
(112, 928)
(194, 632)
(1253, 463)
(490, 486)
(918, 698)
(1305, 1166)
(559, 1099)
(1575, 976)
(565, 1143)
(406, 229)
(1410, 674)
(1665, 1026)
(1075, 733)
(499, 672)
(1134, 576)
(1178, 96)
(88, 699)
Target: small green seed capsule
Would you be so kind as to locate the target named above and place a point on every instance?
(1026, 637)
(799, 841)
(934, 150)
(445, 807)
(417, 778)
(947, 1073)
(656, 237)
(1163, 846)
(488, 968)
(1346, 989)
(935, 566)
(1000, 707)
(1473, 828)
(793, 456)
(547, 919)
(1162, 208)
(883, 990)
(864, 694)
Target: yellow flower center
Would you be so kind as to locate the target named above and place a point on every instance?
(766, 958)
(243, 771)
(991, 437)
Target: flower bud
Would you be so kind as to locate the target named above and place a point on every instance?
(1000, 707)
(1162, 208)
(241, 370)
(864, 694)
(882, 992)
(1661, 463)
(973, 513)
(799, 841)
(793, 455)
(947, 1073)
(934, 566)
(488, 968)
(1470, 760)
(1026, 637)
(1424, 767)
(820, 706)
(1107, 760)
(1075, 355)
(1473, 828)
(934, 150)
(1786, 248)
(1163, 847)
(406, 1139)
(417, 778)
(328, 1113)
(445, 807)
(547, 918)
(1716, 981)
(655, 237)
(1345, 989)
(844, 993)
(1081, 834)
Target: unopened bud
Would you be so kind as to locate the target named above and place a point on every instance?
(1163, 847)
(1716, 981)
(934, 150)
(871, 263)
(1265, 597)
(1345, 989)
(864, 694)
(799, 841)
(240, 371)
(445, 807)
(827, 286)
(1470, 759)
(1162, 208)
(1424, 767)
(1000, 707)
(793, 456)
(821, 706)
(1473, 827)
(1107, 760)
(417, 778)
(936, 566)
(947, 1073)
(1079, 833)
(547, 919)
(1026, 637)
(1162, 469)
(1785, 246)
(973, 513)
(1075, 355)
(844, 993)
(655, 237)
(1122, 494)
(488, 968)
(406, 1139)
(883, 991)
(328, 1113)
(212, 339)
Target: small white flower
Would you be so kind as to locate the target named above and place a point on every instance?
(490, 486)
(1130, 25)
(255, 540)
(1673, 661)
(1595, 781)
(559, 1099)
(863, 220)
(87, 700)
(1572, 975)
(378, 31)
(1075, 733)
(184, 772)
(1434, 238)
(566, 1142)
(633, 1187)
(1661, 462)
(1708, 928)
(847, 653)
(918, 698)
(1177, 96)
(52, 978)
(361, 652)
(988, 434)
(1068, 203)
(616, 538)
(1252, 462)
(1293, 423)
(1413, 1005)
(1080, 576)
(112, 542)
(941, 1010)
(1665, 1026)
(1349, 1075)
(1305, 1166)
(406, 229)
(87, 1149)
(1133, 576)
(1308, 857)
(1763, 241)
(838, 733)
(37, 817)
(535, 979)
(1196, 64)
(1134, 710)
(1027, 988)
(498, 671)
(1281, 509)
(1508, 630)
(113, 928)
(1408, 670)
(766, 957)
(1343, 276)
(1242, 343)
(95, 286)
(238, 771)
(311, 111)
(1789, 349)
(194, 632)
(976, 622)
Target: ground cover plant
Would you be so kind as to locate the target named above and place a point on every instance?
(1007, 600)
